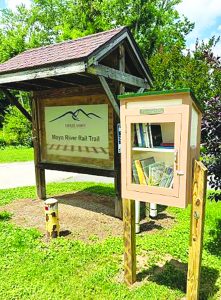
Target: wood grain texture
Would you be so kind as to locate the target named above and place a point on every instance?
(197, 230)
(39, 173)
(120, 88)
(129, 241)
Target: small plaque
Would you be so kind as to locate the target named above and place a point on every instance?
(152, 111)
(119, 137)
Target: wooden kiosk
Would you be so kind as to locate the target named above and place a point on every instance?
(160, 142)
(75, 110)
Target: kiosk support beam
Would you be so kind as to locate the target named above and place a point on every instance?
(15, 102)
(129, 241)
(120, 88)
(197, 230)
(39, 172)
(110, 95)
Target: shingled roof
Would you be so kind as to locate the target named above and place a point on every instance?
(72, 50)
(78, 62)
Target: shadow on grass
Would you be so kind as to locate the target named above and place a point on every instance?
(150, 225)
(214, 244)
(64, 233)
(96, 198)
(5, 216)
(173, 274)
(101, 190)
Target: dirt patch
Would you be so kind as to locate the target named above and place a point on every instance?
(82, 216)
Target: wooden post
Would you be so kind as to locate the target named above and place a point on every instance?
(196, 230)
(129, 241)
(39, 173)
(51, 216)
(117, 156)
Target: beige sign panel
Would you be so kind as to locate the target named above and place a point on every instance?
(77, 130)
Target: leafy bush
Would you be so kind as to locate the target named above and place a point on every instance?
(16, 128)
(2, 141)
(211, 137)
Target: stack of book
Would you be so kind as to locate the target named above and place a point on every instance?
(148, 172)
(149, 136)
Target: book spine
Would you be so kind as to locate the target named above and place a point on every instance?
(142, 135)
(150, 136)
(146, 137)
(138, 135)
(135, 136)
(140, 172)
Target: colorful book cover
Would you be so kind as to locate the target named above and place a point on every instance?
(145, 163)
(156, 171)
(164, 180)
(167, 144)
(167, 177)
(135, 174)
(140, 172)
(169, 183)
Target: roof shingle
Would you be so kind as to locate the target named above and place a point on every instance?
(58, 53)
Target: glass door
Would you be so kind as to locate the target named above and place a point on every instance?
(153, 153)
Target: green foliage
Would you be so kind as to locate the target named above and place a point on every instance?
(71, 269)
(17, 129)
(175, 69)
(153, 23)
(15, 154)
(8, 195)
(5, 216)
(2, 141)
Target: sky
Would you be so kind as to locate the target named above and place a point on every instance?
(206, 14)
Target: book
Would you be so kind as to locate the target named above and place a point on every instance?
(135, 174)
(150, 136)
(138, 135)
(156, 171)
(169, 183)
(146, 135)
(164, 180)
(135, 136)
(142, 135)
(145, 163)
(156, 135)
(141, 176)
(167, 144)
(167, 177)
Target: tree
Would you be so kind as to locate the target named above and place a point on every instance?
(176, 69)
(153, 23)
(211, 137)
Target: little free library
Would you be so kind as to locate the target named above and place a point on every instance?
(92, 114)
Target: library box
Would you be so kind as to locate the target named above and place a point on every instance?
(160, 138)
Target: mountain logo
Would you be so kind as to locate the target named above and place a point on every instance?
(76, 115)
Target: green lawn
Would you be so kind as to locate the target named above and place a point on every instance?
(14, 154)
(67, 269)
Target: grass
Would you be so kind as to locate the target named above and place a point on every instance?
(16, 154)
(67, 269)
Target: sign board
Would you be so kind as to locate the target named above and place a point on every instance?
(77, 130)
